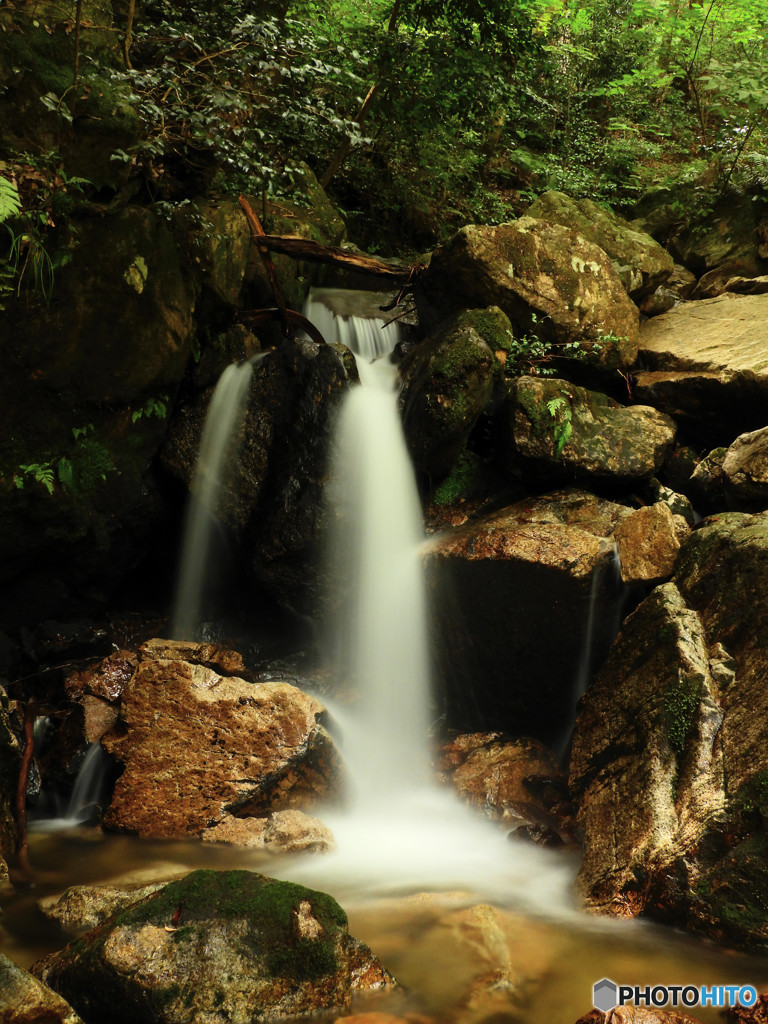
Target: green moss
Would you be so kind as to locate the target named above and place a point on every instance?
(681, 702)
(267, 905)
(459, 480)
(735, 892)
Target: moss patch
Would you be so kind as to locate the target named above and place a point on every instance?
(681, 702)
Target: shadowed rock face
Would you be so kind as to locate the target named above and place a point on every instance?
(195, 745)
(216, 945)
(26, 1000)
(510, 597)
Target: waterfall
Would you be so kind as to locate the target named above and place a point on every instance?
(88, 792)
(402, 832)
(222, 420)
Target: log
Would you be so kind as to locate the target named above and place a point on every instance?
(306, 249)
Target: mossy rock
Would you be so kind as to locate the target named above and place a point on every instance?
(447, 383)
(231, 945)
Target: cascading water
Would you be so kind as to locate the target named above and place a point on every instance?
(222, 420)
(403, 831)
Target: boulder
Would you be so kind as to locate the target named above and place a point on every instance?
(729, 277)
(25, 1000)
(83, 907)
(676, 288)
(495, 584)
(645, 769)
(648, 544)
(706, 485)
(549, 280)
(669, 758)
(562, 431)
(280, 832)
(642, 264)
(215, 945)
(745, 472)
(246, 748)
(517, 782)
(638, 1015)
(704, 364)
(447, 381)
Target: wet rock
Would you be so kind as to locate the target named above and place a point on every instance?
(547, 278)
(495, 582)
(646, 770)
(281, 832)
(638, 1015)
(25, 1000)
(106, 679)
(642, 264)
(679, 504)
(212, 945)
(273, 500)
(704, 364)
(213, 656)
(745, 472)
(669, 757)
(447, 381)
(517, 782)
(562, 431)
(757, 1014)
(648, 544)
(83, 907)
(195, 745)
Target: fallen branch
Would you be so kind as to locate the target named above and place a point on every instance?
(290, 316)
(306, 249)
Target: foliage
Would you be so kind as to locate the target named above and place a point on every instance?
(82, 467)
(152, 407)
(561, 412)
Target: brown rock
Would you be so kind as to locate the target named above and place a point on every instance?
(281, 832)
(637, 1015)
(516, 781)
(105, 680)
(25, 1000)
(648, 544)
(745, 472)
(195, 745)
(213, 656)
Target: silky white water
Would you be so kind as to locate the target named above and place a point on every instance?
(213, 464)
(403, 832)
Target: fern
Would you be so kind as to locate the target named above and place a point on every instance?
(10, 201)
(561, 412)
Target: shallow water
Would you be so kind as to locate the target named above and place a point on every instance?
(430, 941)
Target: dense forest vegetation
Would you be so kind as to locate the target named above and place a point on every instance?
(417, 117)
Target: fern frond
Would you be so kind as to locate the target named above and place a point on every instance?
(10, 201)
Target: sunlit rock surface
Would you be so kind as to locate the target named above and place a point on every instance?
(642, 264)
(216, 945)
(561, 431)
(511, 593)
(745, 471)
(648, 541)
(547, 278)
(280, 832)
(670, 758)
(26, 1000)
(705, 364)
(195, 745)
(518, 782)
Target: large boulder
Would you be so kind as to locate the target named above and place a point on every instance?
(562, 431)
(447, 381)
(704, 363)
(195, 745)
(745, 471)
(212, 946)
(26, 1000)
(670, 759)
(642, 264)
(502, 587)
(550, 281)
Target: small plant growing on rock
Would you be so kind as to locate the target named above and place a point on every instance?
(561, 412)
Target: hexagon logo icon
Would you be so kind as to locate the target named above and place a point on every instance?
(605, 995)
